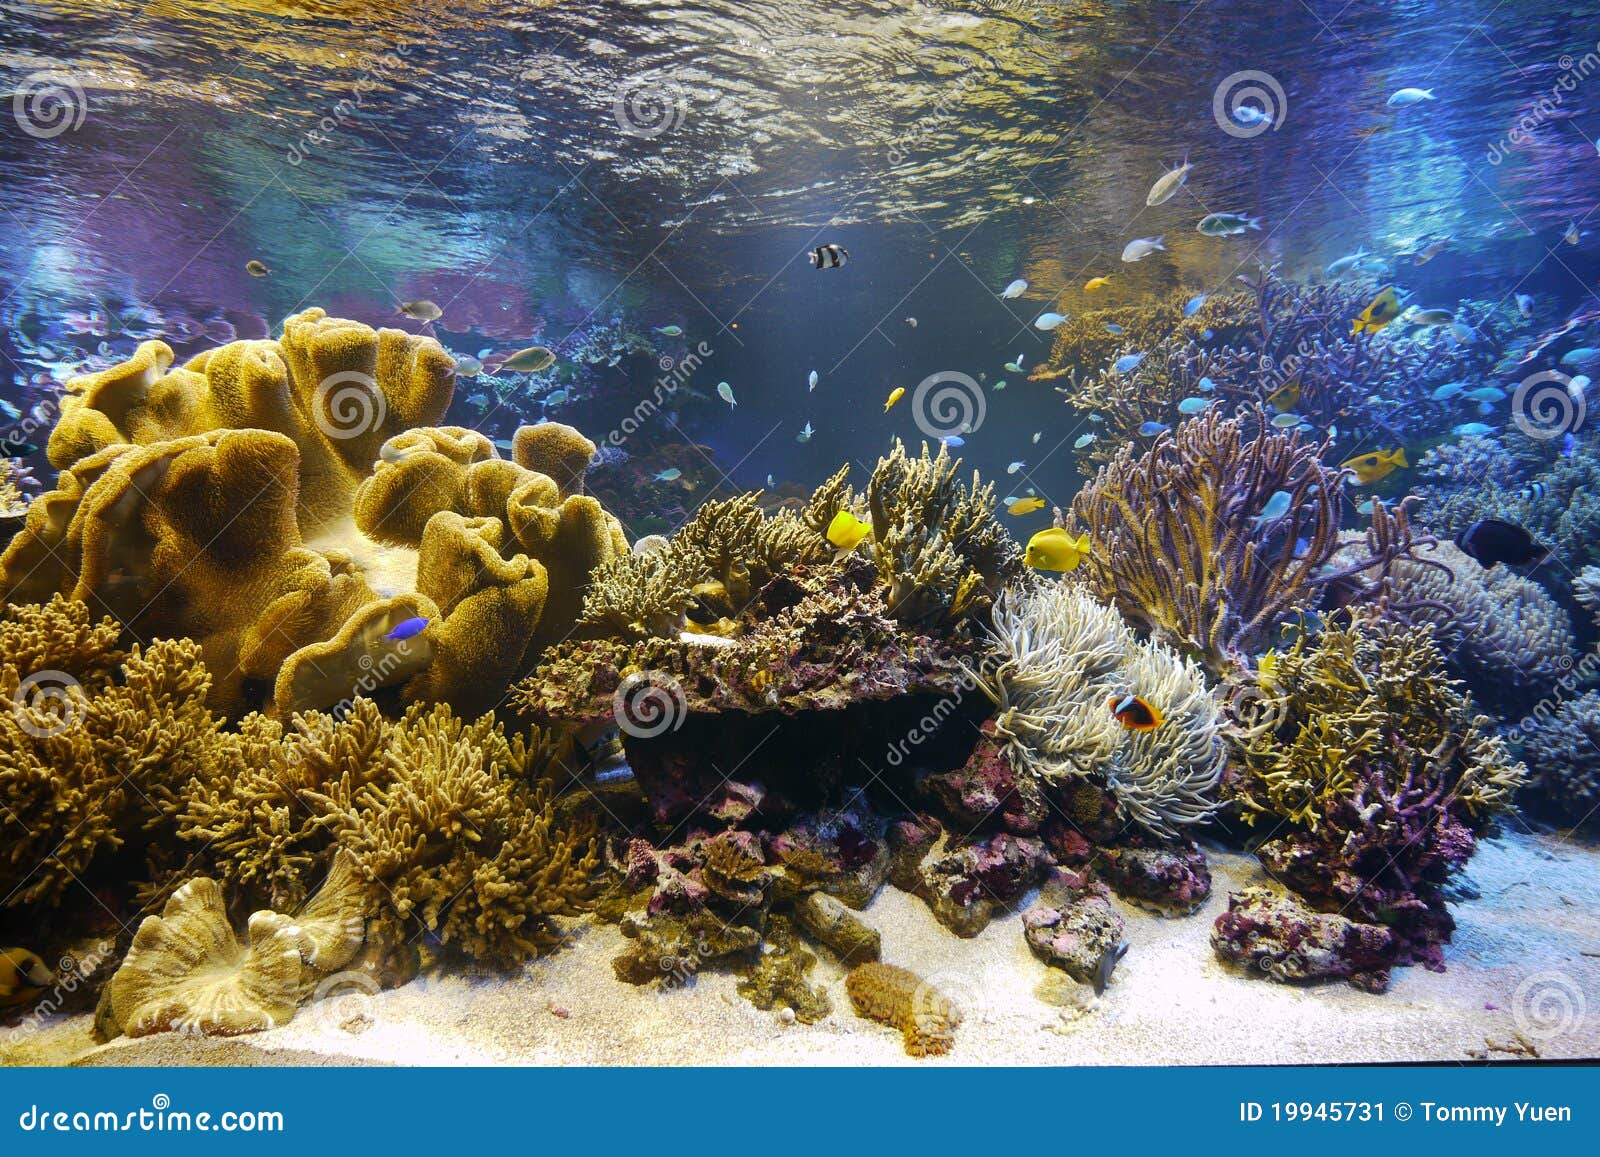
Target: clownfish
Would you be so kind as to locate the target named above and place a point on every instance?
(1136, 714)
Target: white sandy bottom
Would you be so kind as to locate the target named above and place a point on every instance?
(1517, 964)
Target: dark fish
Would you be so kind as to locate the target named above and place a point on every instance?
(10, 449)
(829, 256)
(1108, 964)
(1490, 541)
(409, 629)
(1135, 714)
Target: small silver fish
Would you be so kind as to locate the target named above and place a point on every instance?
(725, 392)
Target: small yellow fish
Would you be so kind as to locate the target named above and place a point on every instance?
(894, 396)
(1095, 283)
(256, 269)
(420, 310)
(1369, 468)
(1026, 505)
(846, 530)
(1286, 397)
(1055, 549)
(1384, 309)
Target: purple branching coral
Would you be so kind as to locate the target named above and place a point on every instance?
(1190, 546)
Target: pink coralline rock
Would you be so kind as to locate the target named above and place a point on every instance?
(1076, 927)
(986, 792)
(968, 886)
(1171, 879)
(1273, 934)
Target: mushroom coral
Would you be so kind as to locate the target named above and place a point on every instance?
(272, 501)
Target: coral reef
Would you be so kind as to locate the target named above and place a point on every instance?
(1504, 635)
(277, 502)
(1279, 937)
(903, 1000)
(1186, 548)
(1372, 775)
(1561, 747)
(777, 980)
(1058, 659)
(92, 735)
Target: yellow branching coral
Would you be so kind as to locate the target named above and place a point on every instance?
(937, 544)
(1057, 661)
(88, 735)
(448, 821)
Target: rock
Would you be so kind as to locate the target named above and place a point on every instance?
(986, 793)
(1273, 934)
(968, 885)
(1171, 879)
(1075, 927)
(837, 927)
(910, 841)
(841, 853)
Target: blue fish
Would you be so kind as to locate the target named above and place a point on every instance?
(953, 441)
(1205, 385)
(1127, 362)
(409, 629)
(1192, 306)
(670, 474)
(1487, 394)
(1277, 506)
(1192, 405)
(1087, 440)
(1569, 445)
(1113, 328)
(1151, 429)
(1472, 430)
(1449, 390)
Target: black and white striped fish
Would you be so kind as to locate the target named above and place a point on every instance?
(829, 256)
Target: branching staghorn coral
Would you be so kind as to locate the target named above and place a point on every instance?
(88, 734)
(1058, 659)
(1183, 545)
(1360, 744)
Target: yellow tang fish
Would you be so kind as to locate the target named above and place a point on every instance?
(1055, 549)
(1369, 468)
(1026, 505)
(1384, 309)
(1286, 397)
(894, 396)
(1095, 283)
(846, 530)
